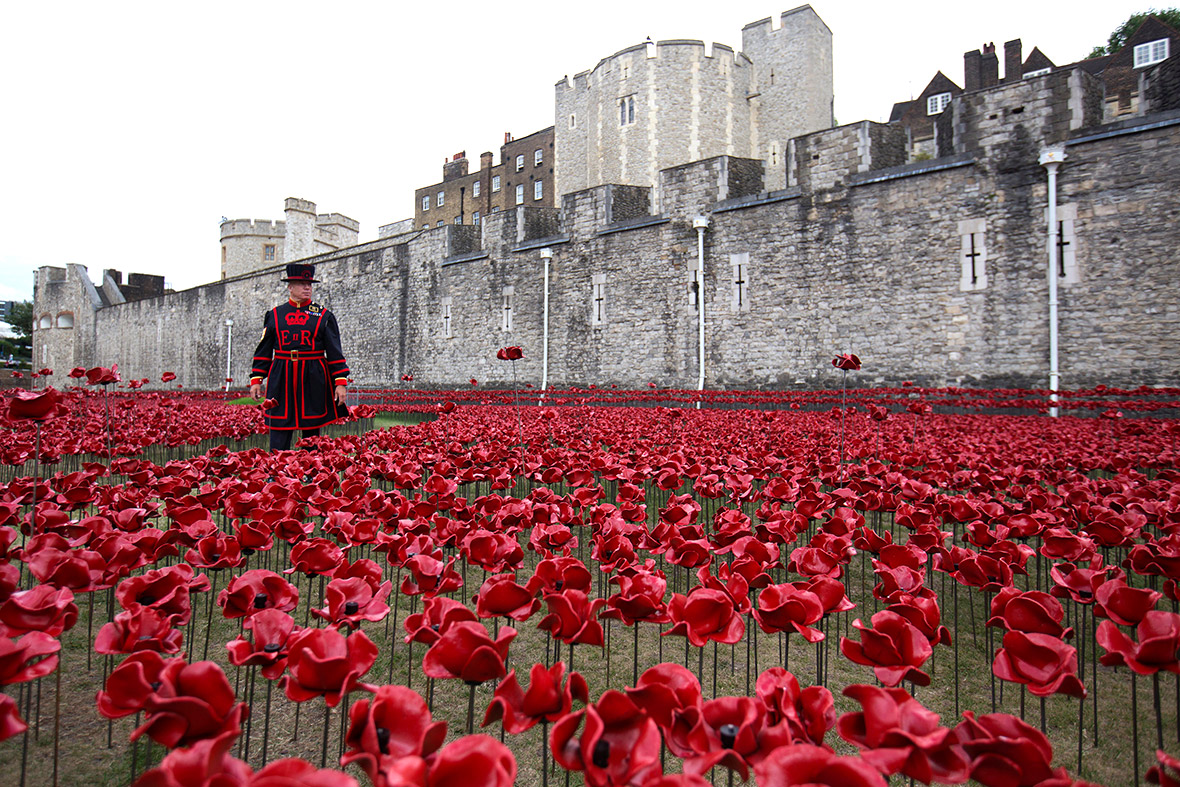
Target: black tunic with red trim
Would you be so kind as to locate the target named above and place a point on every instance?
(301, 359)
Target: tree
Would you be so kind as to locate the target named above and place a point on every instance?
(21, 320)
(1118, 39)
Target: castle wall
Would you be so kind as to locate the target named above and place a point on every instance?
(860, 253)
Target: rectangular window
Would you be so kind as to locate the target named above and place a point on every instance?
(598, 299)
(475, 189)
(1038, 73)
(495, 183)
(1151, 53)
(506, 308)
(426, 203)
(626, 110)
(694, 283)
(520, 162)
(441, 196)
(268, 252)
(458, 219)
(538, 189)
(739, 282)
(495, 209)
(538, 157)
(972, 255)
(440, 223)
(935, 104)
(520, 194)
(475, 218)
(446, 317)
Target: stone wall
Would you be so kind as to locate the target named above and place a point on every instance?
(859, 254)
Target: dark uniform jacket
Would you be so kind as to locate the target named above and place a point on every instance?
(301, 359)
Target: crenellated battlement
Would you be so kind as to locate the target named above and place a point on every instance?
(238, 228)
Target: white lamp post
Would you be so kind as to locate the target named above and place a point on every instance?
(1051, 159)
(229, 343)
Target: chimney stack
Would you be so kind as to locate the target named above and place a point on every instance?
(990, 71)
(1013, 61)
(972, 69)
(485, 160)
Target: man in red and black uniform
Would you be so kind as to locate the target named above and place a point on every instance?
(301, 360)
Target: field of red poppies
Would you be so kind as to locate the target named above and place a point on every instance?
(610, 588)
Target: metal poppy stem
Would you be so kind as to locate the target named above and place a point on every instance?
(544, 753)
(36, 478)
(266, 722)
(470, 708)
(1135, 726)
(57, 723)
(635, 655)
(327, 724)
(1159, 721)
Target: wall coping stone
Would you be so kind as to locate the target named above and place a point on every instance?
(911, 169)
(540, 243)
(752, 200)
(633, 224)
(1129, 126)
(461, 258)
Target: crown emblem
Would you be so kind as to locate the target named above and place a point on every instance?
(297, 318)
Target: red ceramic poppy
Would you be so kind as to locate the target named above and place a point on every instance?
(315, 556)
(1030, 611)
(727, 731)
(352, 600)
(131, 683)
(101, 375)
(215, 552)
(501, 597)
(1004, 751)
(705, 615)
(1124, 604)
(457, 762)
(509, 353)
(893, 647)
(166, 377)
(271, 632)
(429, 575)
(1157, 649)
(572, 618)
(35, 405)
(166, 590)
(325, 663)
(258, 589)
(804, 764)
(393, 724)
(1166, 771)
(10, 721)
(619, 743)
(546, 699)
(296, 772)
(465, 651)
(789, 608)
(1079, 583)
(640, 597)
(665, 691)
(194, 702)
(897, 734)
(438, 614)
(27, 658)
(206, 762)
(77, 373)
(42, 608)
(138, 628)
(847, 362)
(807, 714)
(1041, 661)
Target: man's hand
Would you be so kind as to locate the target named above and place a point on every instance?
(341, 393)
(256, 390)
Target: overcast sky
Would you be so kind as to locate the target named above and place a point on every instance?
(128, 130)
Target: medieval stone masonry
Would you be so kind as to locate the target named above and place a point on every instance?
(931, 270)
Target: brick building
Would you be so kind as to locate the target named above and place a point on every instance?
(524, 177)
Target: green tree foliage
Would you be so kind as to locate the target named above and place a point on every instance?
(21, 320)
(1118, 38)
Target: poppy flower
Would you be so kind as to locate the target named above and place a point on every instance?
(1041, 661)
(429, 575)
(727, 731)
(501, 597)
(77, 373)
(323, 662)
(546, 699)
(665, 691)
(271, 632)
(392, 724)
(138, 628)
(465, 651)
(640, 597)
(848, 362)
(166, 590)
(1159, 643)
(897, 734)
(437, 614)
(803, 763)
(27, 658)
(205, 762)
(807, 714)
(193, 702)
(455, 763)
(10, 721)
(131, 683)
(315, 556)
(1004, 751)
(101, 375)
(572, 618)
(619, 744)
(705, 614)
(509, 353)
(215, 552)
(1124, 604)
(35, 405)
(352, 600)
(1166, 771)
(1032, 611)
(446, 407)
(41, 608)
(893, 647)
(167, 377)
(789, 608)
